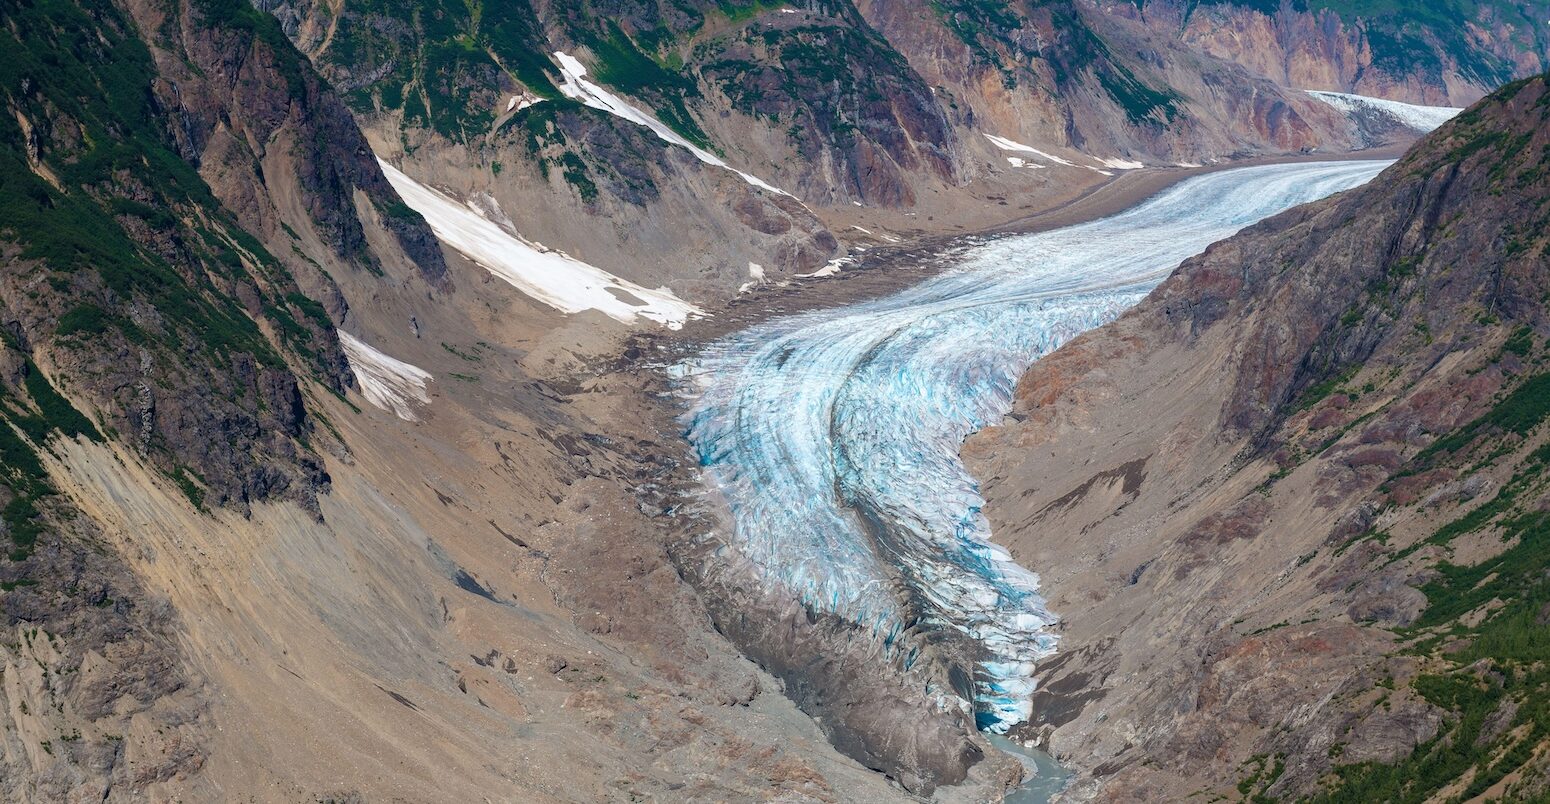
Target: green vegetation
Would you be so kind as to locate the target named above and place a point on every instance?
(575, 172)
(1266, 773)
(621, 64)
(23, 429)
(23, 474)
(827, 82)
(1086, 52)
(240, 16)
(1486, 626)
(1463, 746)
(1406, 36)
(56, 412)
(446, 59)
(184, 477)
(1318, 392)
(100, 205)
(545, 141)
(1519, 412)
(1520, 342)
(985, 26)
(99, 76)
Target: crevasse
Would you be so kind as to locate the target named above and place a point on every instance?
(833, 435)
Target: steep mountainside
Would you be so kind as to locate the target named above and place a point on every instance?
(1437, 53)
(1302, 553)
(132, 293)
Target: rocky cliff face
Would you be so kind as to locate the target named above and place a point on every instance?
(138, 309)
(1308, 556)
(490, 120)
(1439, 54)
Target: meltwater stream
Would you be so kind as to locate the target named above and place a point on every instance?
(834, 435)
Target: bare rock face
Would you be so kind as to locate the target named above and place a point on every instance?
(98, 700)
(561, 172)
(273, 141)
(140, 306)
(1305, 396)
(1091, 78)
(1406, 56)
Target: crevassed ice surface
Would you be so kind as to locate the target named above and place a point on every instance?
(833, 435)
(1410, 115)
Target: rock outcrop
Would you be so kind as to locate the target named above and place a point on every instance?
(1436, 55)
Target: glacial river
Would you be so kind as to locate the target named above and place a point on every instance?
(834, 435)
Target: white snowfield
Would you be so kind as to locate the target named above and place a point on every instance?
(556, 279)
(386, 382)
(1409, 115)
(1019, 162)
(577, 87)
(1010, 145)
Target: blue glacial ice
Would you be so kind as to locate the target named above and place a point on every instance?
(833, 435)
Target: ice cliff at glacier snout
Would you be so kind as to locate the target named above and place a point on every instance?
(833, 436)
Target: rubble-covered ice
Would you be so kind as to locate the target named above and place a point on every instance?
(833, 435)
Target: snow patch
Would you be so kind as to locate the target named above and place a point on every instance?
(756, 273)
(1120, 164)
(386, 382)
(1417, 118)
(554, 278)
(830, 269)
(1019, 162)
(1009, 145)
(577, 87)
(520, 102)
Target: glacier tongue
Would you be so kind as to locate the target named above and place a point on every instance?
(833, 436)
(1421, 119)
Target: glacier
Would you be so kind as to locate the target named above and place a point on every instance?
(1421, 119)
(832, 436)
